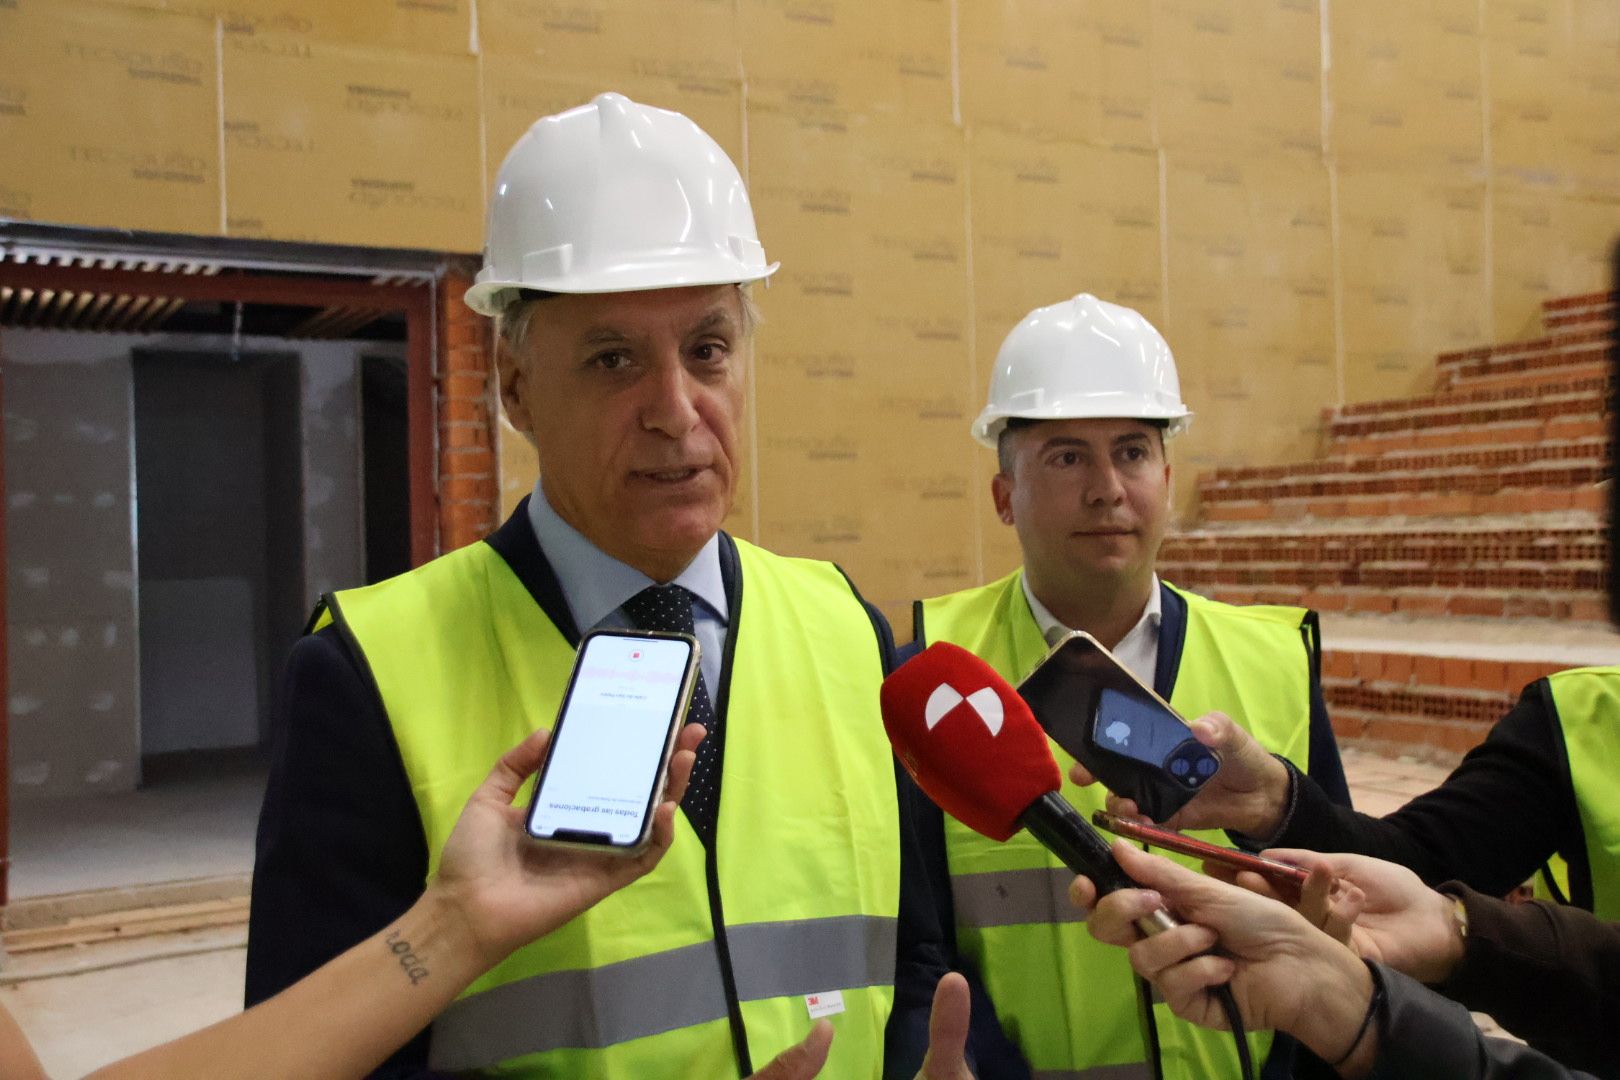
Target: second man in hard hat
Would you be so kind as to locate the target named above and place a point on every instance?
(620, 240)
(1084, 399)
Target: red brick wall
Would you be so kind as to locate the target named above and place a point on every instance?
(1427, 522)
(468, 494)
(1436, 707)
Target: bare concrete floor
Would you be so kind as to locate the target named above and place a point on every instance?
(195, 819)
(163, 987)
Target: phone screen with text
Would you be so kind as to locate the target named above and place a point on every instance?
(609, 742)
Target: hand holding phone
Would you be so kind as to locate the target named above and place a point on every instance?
(1277, 872)
(510, 890)
(612, 741)
(1247, 795)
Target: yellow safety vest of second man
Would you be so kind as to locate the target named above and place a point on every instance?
(804, 879)
(1070, 1003)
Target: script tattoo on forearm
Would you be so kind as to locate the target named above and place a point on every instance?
(409, 962)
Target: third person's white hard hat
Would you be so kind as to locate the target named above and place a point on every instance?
(1080, 359)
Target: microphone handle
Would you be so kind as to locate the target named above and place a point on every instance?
(1062, 831)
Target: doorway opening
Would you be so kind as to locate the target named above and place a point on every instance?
(196, 447)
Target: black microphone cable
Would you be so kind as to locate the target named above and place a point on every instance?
(1234, 1019)
(1062, 831)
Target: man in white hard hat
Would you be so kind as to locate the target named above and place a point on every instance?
(620, 242)
(1084, 398)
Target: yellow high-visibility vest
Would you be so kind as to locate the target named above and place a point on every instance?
(1588, 705)
(806, 866)
(1069, 1002)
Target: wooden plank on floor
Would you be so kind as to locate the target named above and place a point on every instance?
(137, 922)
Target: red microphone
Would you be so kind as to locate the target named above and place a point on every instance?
(974, 747)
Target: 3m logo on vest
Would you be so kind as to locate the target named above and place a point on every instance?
(827, 1004)
(984, 703)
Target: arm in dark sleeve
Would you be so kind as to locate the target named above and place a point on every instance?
(1492, 823)
(1548, 973)
(340, 850)
(1421, 1033)
(1323, 763)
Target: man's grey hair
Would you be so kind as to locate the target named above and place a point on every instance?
(513, 323)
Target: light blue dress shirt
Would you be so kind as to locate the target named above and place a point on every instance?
(596, 585)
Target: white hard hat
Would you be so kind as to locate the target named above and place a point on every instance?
(616, 197)
(1080, 359)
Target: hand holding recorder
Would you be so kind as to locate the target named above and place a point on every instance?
(973, 746)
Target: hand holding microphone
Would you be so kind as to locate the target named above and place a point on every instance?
(975, 749)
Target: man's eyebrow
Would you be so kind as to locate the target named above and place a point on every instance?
(1064, 441)
(718, 319)
(1067, 442)
(603, 335)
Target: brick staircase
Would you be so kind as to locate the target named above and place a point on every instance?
(1455, 543)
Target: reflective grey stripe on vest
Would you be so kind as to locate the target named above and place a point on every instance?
(1014, 898)
(1017, 898)
(596, 1007)
(1138, 1071)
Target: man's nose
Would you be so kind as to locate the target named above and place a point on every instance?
(670, 407)
(1104, 487)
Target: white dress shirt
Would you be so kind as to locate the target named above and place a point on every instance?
(1138, 650)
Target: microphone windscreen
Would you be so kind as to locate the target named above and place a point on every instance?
(968, 739)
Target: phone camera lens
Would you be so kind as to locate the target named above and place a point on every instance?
(1206, 767)
(1179, 766)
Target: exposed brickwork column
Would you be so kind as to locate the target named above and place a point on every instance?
(468, 493)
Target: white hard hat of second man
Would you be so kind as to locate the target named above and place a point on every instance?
(1082, 359)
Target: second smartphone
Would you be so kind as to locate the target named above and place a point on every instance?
(615, 733)
(1278, 872)
(1117, 727)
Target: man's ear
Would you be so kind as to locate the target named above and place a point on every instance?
(1001, 489)
(509, 381)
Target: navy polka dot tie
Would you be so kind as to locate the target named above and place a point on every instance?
(669, 607)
